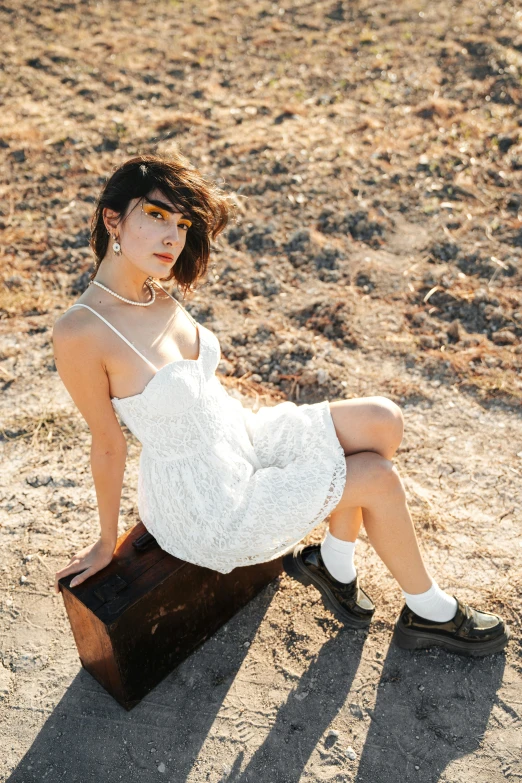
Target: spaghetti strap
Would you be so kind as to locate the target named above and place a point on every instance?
(79, 304)
(178, 303)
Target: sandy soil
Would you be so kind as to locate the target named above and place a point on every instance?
(375, 155)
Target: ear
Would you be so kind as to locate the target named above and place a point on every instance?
(110, 218)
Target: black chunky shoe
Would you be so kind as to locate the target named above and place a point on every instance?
(470, 632)
(348, 602)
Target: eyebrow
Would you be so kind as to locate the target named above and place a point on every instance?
(163, 205)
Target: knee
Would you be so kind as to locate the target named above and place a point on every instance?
(388, 419)
(377, 474)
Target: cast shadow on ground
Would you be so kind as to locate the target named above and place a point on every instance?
(301, 722)
(432, 708)
(90, 737)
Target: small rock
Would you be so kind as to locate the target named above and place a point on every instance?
(505, 142)
(301, 696)
(417, 767)
(427, 341)
(18, 156)
(333, 733)
(14, 281)
(322, 376)
(455, 331)
(162, 767)
(504, 337)
(39, 481)
(352, 755)
(23, 580)
(356, 711)
(418, 318)
(246, 644)
(421, 687)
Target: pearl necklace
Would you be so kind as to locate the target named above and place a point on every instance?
(148, 283)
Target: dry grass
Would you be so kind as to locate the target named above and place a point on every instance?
(50, 429)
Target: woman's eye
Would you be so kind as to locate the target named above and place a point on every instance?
(152, 213)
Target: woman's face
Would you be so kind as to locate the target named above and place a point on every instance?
(150, 229)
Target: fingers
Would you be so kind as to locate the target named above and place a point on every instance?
(82, 577)
(72, 568)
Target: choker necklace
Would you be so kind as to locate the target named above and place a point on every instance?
(148, 283)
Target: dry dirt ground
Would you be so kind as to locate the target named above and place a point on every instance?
(374, 151)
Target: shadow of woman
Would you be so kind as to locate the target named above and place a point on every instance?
(307, 712)
(432, 707)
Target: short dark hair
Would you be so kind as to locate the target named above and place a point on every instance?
(203, 202)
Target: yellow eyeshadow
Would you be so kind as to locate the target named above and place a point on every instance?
(151, 209)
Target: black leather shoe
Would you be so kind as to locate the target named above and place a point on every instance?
(470, 632)
(347, 601)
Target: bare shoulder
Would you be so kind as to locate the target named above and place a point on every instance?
(73, 319)
(78, 354)
(78, 328)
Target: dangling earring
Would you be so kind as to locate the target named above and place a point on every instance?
(116, 246)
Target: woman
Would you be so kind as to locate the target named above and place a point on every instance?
(220, 485)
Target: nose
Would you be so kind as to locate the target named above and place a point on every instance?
(174, 234)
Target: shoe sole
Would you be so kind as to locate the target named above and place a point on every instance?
(416, 640)
(293, 568)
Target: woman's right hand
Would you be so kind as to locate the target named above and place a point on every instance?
(88, 561)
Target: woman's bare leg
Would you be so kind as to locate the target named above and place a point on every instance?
(346, 524)
(373, 484)
(363, 424)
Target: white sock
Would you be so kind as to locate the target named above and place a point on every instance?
(434, 604)
(338, 557)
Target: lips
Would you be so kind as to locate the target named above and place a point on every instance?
(165, 256)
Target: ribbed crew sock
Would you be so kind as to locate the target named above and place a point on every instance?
(338, 557)
(434, 604)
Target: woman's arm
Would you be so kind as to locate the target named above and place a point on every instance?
(78, 360)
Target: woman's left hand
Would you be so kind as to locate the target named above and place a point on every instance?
(86, 563)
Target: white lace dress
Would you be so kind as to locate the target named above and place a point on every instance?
(219, 485)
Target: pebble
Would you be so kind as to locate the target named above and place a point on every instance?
(23, 580)
(333, 733)
(352, 755)
(416, 767)
(162, 767)
(246, 644)
(421, 687)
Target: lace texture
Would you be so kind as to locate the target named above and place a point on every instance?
(219, 485)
